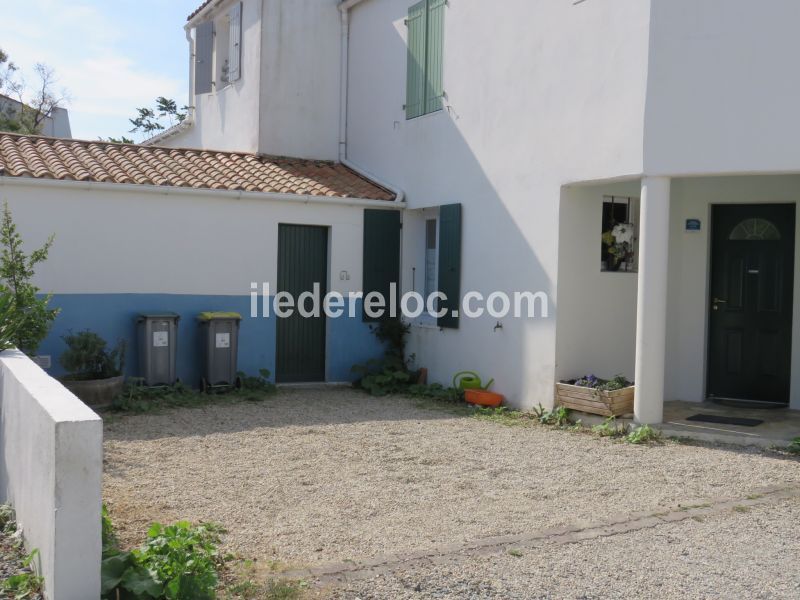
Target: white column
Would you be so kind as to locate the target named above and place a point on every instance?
(651, 311)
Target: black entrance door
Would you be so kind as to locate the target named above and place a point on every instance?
(752, 273)
(302, 262)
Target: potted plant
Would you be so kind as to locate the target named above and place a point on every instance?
(590, 394)
(618, 243)
(95, 372)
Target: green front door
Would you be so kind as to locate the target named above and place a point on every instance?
(752, 276)
(302, 262)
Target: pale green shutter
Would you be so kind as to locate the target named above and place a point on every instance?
(415, 82)
(435, 53)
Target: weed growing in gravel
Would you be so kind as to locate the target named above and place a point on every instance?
(515, 553)
(138, 398)
(609, 428)
(643, 434)
(24, 584)
(741, 509)
(558, 417)
(177, 562)
(794, 447)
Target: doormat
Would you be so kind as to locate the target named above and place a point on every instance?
(719, 419)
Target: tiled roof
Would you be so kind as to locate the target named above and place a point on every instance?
(52, 158)
(197, 10)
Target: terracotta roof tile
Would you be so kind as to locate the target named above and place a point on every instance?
(50, 158)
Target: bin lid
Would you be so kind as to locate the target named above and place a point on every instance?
(213, 316)
(160, 315)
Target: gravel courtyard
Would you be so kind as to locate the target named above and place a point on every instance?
(310, 477)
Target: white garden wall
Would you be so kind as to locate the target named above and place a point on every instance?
(51, 465)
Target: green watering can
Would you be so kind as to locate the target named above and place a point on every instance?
(469, 380)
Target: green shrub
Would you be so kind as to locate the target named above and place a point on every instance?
(25, 584)
(87, 356)
(32, 318)
(643, 435)
(794, 447)
(177, 562)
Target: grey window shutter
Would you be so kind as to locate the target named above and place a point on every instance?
(381, 254)
(203, 57)
(235, 51)
(450, 263)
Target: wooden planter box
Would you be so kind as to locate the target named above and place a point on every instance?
(596, 402)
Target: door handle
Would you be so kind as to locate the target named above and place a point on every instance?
(716, 302)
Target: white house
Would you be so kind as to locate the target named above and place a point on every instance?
(56, 124)
(512, 137)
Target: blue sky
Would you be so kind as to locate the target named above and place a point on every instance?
(111, 56)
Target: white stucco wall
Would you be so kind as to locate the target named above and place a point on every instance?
(300, 59)
(228, 117)
(51, 465)
(171, 243)
(690, 263)
(722, 96)
(596, 310)
(514, 131)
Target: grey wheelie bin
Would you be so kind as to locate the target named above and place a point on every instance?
(158, 345)
(220, 339)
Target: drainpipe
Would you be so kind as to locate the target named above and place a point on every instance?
(344, 11)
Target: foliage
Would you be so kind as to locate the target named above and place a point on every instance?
(177, 562)
(149, 121)
(558, 417)
(32, 104)
(10, 321)
(136, 397)
(87, 356)
(25, 584)
(643, 434)
(435, 391)
(609, 428)
(619, 244)
(618, 382)
(33, 318)
(794, 447)
(391, 375)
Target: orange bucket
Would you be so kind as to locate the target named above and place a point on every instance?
(483, 398)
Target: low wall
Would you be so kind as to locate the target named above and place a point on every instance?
(51, 464)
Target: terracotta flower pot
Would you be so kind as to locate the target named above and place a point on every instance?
(483, 398)
(95, 393)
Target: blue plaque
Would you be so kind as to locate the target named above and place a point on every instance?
(693, 225)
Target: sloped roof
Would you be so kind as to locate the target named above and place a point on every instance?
(76, 160)
(197, 10)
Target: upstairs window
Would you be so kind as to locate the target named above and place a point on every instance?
(424, 82)
(218, 51)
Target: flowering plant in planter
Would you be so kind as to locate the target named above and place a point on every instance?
(619, 241)
(591, 394)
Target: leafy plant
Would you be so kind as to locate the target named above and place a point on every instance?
(177, 562)
(87, 356)
(643, 434)
(559, 416)
(794, 447)
(617, 382)
(434, 391)
(26, 584)
(609, 428)
(32, 317)
(391, 375)
(255, 386)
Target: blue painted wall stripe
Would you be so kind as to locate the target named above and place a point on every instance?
(113, 316)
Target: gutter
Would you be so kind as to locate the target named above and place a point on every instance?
(188, 122)
(344, 8)
(68, 184)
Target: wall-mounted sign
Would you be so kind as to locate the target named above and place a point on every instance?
(693, 225)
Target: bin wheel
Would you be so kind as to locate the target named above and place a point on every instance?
(203, 385)
(238, 383)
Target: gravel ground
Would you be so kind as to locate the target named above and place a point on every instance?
(311, 476)
(734, 555)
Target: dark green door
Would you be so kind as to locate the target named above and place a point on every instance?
(302, 262)
(752, 275)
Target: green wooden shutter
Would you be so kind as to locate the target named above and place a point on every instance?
(434, 88)
(450, 263)
(415, 78)
(381, 254)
